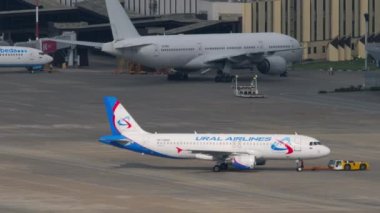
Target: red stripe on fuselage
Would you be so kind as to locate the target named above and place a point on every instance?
(290, 149)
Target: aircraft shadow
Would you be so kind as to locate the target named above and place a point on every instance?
(6, 72)
(148, 166)
(202, 168)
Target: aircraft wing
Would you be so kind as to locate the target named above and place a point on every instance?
(240, 57)
(217, 154)
(130, 44)
(117, 45)
(80, 43)
(234, 58)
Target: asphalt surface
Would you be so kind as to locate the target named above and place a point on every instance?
(50, 160)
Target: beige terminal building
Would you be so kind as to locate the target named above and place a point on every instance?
(327, 29)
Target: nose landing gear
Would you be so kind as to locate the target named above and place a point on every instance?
(300, 165)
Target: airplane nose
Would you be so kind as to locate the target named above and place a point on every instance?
(326, 151)
(49, 59)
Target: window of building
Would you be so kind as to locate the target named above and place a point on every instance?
(295, 19)
(257, 17)
(373, 15)
(309, 50)
(315, 15)
(373, 23)
(323, 49)
(286, 17)
(315, 50)
(266, 15)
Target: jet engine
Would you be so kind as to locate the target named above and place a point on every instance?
(272, 65)
(260, 162)
(244, 162)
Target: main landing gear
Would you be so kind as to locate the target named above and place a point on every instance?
(220, 167)
(178, 76)
(223, 77)
(224, 74)
(284, 74)
(35, 69)
(300, 165)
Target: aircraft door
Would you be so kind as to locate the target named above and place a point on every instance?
(156, 50)
(261, 45)
(31, 56)
(199, 48)
(297, 143)
(294, 45)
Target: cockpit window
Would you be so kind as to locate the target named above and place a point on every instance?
(41, 53)
(315, 143)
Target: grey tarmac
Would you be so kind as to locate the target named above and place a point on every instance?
(50, 160)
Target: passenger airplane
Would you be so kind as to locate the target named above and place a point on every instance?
(32, 59)
(242, 151)
(270, 52)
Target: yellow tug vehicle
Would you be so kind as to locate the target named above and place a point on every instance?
(348, 165)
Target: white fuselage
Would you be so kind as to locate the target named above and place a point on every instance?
(244, 151)
(22, 57)
(192, 51)
(266, 147)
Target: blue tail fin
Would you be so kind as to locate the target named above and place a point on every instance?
(120, 121)
(110, 102)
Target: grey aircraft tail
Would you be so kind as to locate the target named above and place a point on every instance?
(121, 24)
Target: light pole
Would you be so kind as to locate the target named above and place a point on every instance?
(366, 16)
(236, 85)
(37, 20)
(256, 89)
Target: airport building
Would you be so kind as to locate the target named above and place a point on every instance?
(162, 7)
(221, 10)
(214, 9)
(88, 20)
(328, 29)
(69, 3)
